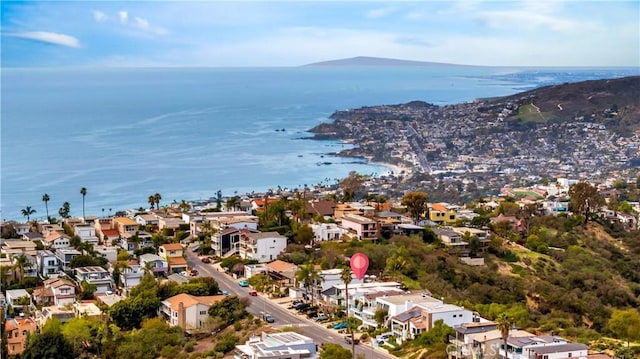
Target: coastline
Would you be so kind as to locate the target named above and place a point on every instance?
(396, 170)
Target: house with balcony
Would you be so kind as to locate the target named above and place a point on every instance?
(57, 240)
(47, 264)
(30, 268)
(166, 222)
(480, 340)
(131, 275)
(283, 273)
(285, 345)
(17, 331)
(97, 276)
(136, 240)
(173, 254)
(55, 291)
(159, 265)
(336, 295)
(65, 255)
(481, 234)
(146, 219)
(451, 239)
(261, 246)
(442, 214)
(226, 242)
(362, 227)
(16, 247)
(327, 232)
(187, 311)
(15, 296)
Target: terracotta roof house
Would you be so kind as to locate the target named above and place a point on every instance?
(187, 311)
(17, 330)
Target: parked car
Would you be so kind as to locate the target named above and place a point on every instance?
(224, 292)
(253, 293)
(294, 303)
(341, 325)
(312, 314)
(206, 260)
(194, 272)
(302, 306)
(243, 283)
(321, 317)
(347, 338)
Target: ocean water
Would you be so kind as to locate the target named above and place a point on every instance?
(125, 134)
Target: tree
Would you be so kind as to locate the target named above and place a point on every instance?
(45, 199)
(585, 199)
(157, 197)
(78, 332)
(304, 235)
(65, 210)
(233, 203)
(625, 324)
(351, 185)
(21, 263)
(334, 351)
(416, 203)
(346, 276)
(50, 344)
(27, 212)
(229, 310)
(308, 276)
(504, 324)
(152, 201)
(184, 206)
(352, 325)
(83, 192)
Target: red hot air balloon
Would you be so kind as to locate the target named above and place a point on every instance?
(359, 264)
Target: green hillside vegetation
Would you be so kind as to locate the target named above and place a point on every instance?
(569, 283)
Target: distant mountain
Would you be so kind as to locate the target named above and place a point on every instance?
(378, 61)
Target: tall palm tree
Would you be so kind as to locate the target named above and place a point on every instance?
(308, 276)
(346, 275)
(152, 201)
(27, 212)
(233, 203)
(45, 199)
(83, 192)
(157, 197)
(504, 324)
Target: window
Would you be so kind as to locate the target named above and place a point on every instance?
(203, 312)
(24, 333)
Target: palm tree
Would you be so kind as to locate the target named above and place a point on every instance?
(233, 203)
(45, 199)
(346, 275)
(308, 276)
(504, 324)
(21, 263)
(152, 201)
(157, 197)
(27, 212)
(184, 206)
(83, 192)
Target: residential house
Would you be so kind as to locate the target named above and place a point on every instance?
(226, 242)
(322, 208)
(124, 225)
(47, 264)
(29, 268)
(57, 240)
(285, 345)
(158, 265)
(408, 229)
(55, 291)
(17, 331)
(261, 246)
(65, 255)
(17, 247)
(543, 347)
(172, 253)
(48, 228)
(480, 340)
(187, 311)
(33, 236)
(254, 269)
(422, 317)
(108, 252)
(363, 227)
(327, 231)
(451, 239)
(282, 272)
(259, 204)
(337, 293)
(97, 276)
(131, 241)
(131, 274)
(146, 219)
(16, 296)
(87, 309)
(441, 214)
(61, 313)
(109, 236)
(169, 222)
(481, 234)
(86, 232)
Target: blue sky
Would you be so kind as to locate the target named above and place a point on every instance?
(291, 33)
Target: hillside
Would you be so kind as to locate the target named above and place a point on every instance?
(613, 102)
(377, 61)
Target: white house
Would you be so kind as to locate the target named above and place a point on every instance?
(327, 231)
(57, 240)
(86, 232)
(108, 252)
(543, 346)
(48, 264)
(262, 246)
(422, 317)
(363, 227)
(187, 311)
(12, 295)
(97, 276)
(159, 266)
(65, 255)
(286, 345)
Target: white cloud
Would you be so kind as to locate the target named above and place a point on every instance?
(49, 38)
(379, 12)
(144, 25)
(99, 16)
(528, 19)
(124, 16)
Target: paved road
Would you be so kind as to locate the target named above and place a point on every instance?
(283, 316)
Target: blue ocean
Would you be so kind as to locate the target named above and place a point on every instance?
(187, 133)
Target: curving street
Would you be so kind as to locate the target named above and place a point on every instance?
(284, 317)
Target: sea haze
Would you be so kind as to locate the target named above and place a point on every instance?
(125, 134)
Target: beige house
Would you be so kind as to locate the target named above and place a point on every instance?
(187, 311)
(172, 253)
(17, 330)
(57, 291)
